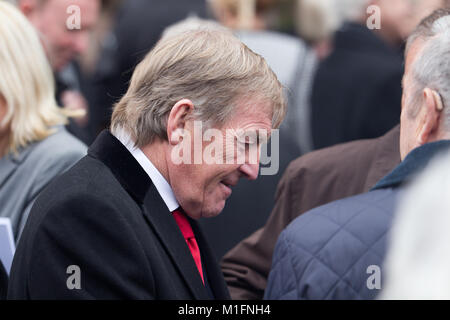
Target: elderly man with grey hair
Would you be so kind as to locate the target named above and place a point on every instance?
(337, 251)
(121, 223)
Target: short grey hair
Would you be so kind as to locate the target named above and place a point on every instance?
(431, 69)
(211, 68)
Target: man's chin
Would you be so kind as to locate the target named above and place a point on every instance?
(214, 212)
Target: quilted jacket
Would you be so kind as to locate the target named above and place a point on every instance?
(334, 251)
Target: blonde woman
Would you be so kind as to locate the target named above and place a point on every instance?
(34, 146)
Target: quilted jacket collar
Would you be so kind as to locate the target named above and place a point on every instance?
(413, 164)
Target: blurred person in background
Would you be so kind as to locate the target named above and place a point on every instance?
(312, 180)
(418, 259)
(34, 145)
(357, 88)
(316, 21)
(294, 63)
(138, 26)
(99, 37)
(63, 45)
(333, 251)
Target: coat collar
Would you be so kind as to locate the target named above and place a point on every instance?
(387, 157)
(413, 164)
(125, 168)
(135, 180)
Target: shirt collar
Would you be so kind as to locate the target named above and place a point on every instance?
(161, 184)
(413, 164)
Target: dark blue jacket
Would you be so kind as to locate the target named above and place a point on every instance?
(328, 252)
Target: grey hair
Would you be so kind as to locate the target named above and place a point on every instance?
(431, 69)
(211, 68)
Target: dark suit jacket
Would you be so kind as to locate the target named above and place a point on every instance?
(310, 181)
(3, 282)
(357, 89)
(107, 218)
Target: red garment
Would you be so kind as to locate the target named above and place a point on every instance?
(188, 234)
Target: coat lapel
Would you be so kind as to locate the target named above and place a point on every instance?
(211, 267)
(139, 185)
(170, 235)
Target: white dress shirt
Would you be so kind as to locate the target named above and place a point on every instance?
(161, 184)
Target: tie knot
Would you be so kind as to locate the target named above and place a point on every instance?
(183, 224)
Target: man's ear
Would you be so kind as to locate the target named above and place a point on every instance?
(176, 121)
(429, 124)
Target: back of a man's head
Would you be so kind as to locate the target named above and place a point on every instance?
(432, 67)
(426, 94)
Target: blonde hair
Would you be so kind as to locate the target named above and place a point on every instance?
(211, 68)
(316, 20)
(26, 82)
(244, 10)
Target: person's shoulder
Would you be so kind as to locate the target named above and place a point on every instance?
(354, 214)
(277, 48)
(338, 155)
(334, 244)
(285, 39)
(366, 64)
(86, 189)
(63, 143)
(57, 152)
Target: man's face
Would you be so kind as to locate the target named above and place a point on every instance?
(202, 189)
(50, 19)
(408, 128)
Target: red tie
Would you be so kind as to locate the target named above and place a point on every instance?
(188, 234)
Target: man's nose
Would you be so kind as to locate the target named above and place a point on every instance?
(250, 171)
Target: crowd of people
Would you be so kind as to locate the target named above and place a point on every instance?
(125, 127)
